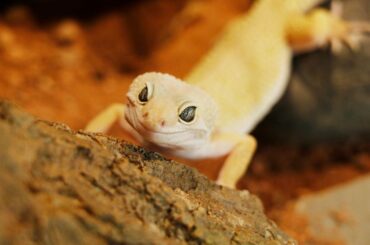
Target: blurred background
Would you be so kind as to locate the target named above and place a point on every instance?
(67, 60)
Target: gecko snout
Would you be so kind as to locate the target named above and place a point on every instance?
(130, 101)
(153, 121)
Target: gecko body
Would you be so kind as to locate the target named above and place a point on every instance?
(255, 70)
(229, 91)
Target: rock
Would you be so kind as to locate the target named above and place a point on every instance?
(64, 187)
(339, 213)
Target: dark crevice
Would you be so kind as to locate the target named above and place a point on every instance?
(46, 11)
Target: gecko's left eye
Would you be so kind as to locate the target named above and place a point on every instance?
(188, 114)
(145, 94)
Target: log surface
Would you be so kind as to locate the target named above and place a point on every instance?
(58, 186)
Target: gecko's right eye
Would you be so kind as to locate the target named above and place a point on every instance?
(187, 113)
(145, 94)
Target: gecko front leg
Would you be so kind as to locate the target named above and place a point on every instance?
(104, 120)
(238, 160)
(240, 149)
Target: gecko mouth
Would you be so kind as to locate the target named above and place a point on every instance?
(178, 139)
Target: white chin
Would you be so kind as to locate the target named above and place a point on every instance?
(175, 141)
(169, 139)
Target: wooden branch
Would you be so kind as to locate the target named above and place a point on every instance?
(58, 186)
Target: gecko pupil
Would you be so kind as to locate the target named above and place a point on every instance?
(143, 96)
(188, 114)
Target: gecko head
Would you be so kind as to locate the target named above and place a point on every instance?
(168, 112)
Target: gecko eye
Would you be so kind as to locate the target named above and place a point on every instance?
(145, 94)
(188, 114)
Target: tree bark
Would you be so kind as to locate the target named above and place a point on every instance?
(58, 186)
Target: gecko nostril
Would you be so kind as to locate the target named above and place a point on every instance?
(163, 123)
(145, 114)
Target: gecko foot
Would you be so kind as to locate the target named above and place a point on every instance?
(353, 36)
